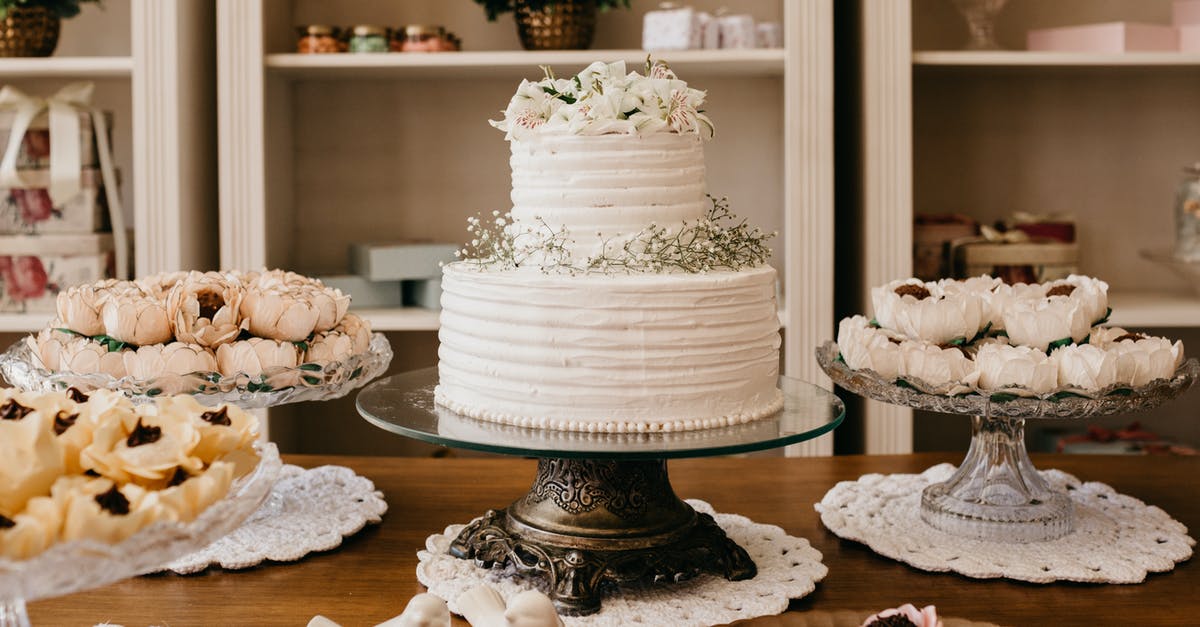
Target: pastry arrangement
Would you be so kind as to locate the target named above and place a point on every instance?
(96, 467)
(204, 332)
(981, 335)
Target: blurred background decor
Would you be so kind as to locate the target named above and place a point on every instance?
(553, 24)
(30, 27)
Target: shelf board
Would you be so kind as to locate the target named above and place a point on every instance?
(510, 63)
(410, 318)
(23, 322)
(1025, 58)
(65, 67)
(1154, 309)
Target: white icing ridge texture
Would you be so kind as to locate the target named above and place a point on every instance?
(638, 352)
(606, 186)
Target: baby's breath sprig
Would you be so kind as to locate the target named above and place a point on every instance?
(500, 243)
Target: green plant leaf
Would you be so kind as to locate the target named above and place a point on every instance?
(153, 392)
(311, 380)
(1107, 315)
(1121, 392)
(1065, 395)
(310, 367)
(1066, 341)
(1002, 397)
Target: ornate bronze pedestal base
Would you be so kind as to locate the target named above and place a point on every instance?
(586, 525)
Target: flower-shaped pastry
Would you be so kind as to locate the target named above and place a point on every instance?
(142, 448)
(99, 509)
(223, 429)
(864, 347)
(1142, 358)
(31, 531)
(326, 348)
(984, 287)
(79, 307)
(206, 309)
(358, 330)
(935, 365)
(1004, 296)
(1091, 294)
(137, 321)
(256, 356)
(280, 314)
(83, 355)
(1040, 323)
(906, 614)
(178, 358)
(30, 459)
(1001, 367)
(1085, 366)
(161, 284)
(48, 345)
(331, 303)
(187, 494)
(923, 311)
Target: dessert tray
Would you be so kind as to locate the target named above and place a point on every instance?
(74, 566)
(996, 493)
(276, 386)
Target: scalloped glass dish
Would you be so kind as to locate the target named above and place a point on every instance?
(75, 566)
(997, 493)
(307, 382)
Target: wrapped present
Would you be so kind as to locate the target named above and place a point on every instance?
(671, 29)
(710, 31)
(737, 31)
(1185, 12)
(932, 235)
(30, 210)
(1107, 37)
(34, 268)
(769, 35)
(1014, 257)
(34, 147)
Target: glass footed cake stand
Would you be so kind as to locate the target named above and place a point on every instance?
(601, 510)
(997, 493)
(80, 565)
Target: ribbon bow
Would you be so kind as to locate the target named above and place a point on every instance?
(65, 160)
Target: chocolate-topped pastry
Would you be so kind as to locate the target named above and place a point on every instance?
(12, 410)
(179, 477)
(76, 395)
(6, 522)
(143, 434)
(113, 502)
(918, 292)
(896, 620)
(64, 421)
(1061, 290)
(217, 417)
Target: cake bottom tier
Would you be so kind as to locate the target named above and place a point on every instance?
(614, 353)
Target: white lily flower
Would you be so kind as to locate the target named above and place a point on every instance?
(1085, 366)
(137, 321)
(280, 315)
(84, 356)
(934, 365)
(1090, 293)
(327, 348)
(1039, 323)
(256, 356)
(358, 330)
(1003, 366)
(205, 308)
(1142, 359)
(178, 358)
(79, 307)
(864, 347)
(921, 310)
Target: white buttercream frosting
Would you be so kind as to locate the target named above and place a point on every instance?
(609, 352)
(606, 188)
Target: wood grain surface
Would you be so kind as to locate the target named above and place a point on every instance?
(371, 576)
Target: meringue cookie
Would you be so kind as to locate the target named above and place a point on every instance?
(30, 458)
(142, 448)
(33, 530)
(98, 509)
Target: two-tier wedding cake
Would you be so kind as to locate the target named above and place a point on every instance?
(615, 296)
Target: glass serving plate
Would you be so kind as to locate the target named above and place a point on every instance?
(997, 493)
(71, 567)
(277, 386)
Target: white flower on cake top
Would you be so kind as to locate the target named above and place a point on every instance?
(982, 335)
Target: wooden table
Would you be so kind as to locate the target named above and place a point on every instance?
(371, 577)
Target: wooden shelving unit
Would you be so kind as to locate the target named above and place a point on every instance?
(1023, 58)
(13, 68)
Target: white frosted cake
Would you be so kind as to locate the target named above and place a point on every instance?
(614, 296)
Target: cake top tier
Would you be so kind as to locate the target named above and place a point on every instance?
(603, 99)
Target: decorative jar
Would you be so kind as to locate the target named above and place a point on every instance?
(318, 39)
(1187, 215)
(29, 31)
(368, 38)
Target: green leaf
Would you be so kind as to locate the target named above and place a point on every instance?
(839, 359)
(1107, 314)
(1065, 395)
(69, 331)
(1000, 333)
(1066, 341)
(311, 380)
(153, 392)
(356, 373)
(874, 323)
(310, 367)
(1121, 392)
(958, 341)
(982, 333)
(904, 384)
(302, 345)
(1002, 397)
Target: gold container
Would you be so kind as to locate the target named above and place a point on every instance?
(29, 32)
(568, 25)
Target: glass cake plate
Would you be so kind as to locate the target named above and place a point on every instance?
(997, 493)
(277, 386)
(75, 566)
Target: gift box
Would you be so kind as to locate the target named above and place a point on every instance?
(366, 293)
(769, 35)
(671, 29)
(35, 144)
(1184, 12)
(1032, 261)
(400, 261)
(710, 31)
(932, 235)
(1189, 38)
(33, 269)
(30, 210)
(737, 31)
(1106, 37)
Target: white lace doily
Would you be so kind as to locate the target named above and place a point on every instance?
(788, 568)
(307, 511)
(1117, 538)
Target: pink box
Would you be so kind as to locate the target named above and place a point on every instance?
(1185, 12)
(1189, 38)
(1107, 37)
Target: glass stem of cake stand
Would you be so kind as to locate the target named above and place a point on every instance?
(12, 613)
(997, 494)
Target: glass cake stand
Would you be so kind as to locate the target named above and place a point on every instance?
(996, 493)
(601, 509)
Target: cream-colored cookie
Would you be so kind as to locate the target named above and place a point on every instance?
(33, 530)
(99, 509)
(189, 495)
(222, 429)
(142, 447)
(30, 458)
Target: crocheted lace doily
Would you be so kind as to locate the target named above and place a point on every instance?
(1117, 538)
(788, 568)
(307, 511)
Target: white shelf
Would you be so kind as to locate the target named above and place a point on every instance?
(23, 322)
(1154, 309)
(66, 67)
(1025, 58)
(406, 319)
(692, 63)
